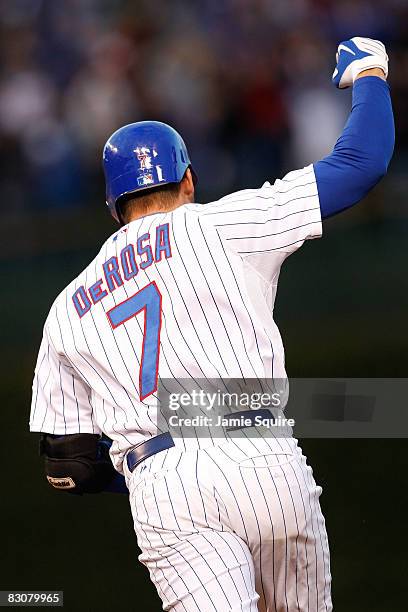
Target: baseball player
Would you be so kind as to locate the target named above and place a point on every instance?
(186, 291)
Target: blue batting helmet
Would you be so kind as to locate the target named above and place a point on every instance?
(141, 156)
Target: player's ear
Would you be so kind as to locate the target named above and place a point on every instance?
(187, 186)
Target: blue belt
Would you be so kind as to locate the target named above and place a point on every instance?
(164, 441)
(148, 448)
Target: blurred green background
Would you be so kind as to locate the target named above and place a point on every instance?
(342, 301)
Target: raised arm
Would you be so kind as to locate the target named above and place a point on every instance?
(361, 155)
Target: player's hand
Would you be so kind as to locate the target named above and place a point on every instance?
(357, 55)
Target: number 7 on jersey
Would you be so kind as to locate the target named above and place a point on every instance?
(149, 300)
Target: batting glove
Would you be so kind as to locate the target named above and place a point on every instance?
(355, 56)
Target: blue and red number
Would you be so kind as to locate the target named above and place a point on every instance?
(149, 300)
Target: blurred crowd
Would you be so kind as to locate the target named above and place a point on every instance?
(247, 82)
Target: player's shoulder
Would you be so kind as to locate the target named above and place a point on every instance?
(238, 200)
(261, 197)
(245, 195)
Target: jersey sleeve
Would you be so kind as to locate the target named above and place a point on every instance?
(272, 222)
(61, 399)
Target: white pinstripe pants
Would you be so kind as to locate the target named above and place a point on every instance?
(232, 527)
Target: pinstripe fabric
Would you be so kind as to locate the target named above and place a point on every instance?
(237, 526)
(215, 533)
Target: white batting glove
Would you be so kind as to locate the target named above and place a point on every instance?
(355, 56)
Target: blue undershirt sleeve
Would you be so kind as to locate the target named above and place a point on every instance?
(361, 155)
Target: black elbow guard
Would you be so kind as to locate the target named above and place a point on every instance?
(77, 463)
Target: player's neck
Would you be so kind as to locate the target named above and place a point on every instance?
(160, 208)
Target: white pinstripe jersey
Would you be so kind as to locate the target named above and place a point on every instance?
(189, 293)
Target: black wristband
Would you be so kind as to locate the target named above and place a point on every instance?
(74, 463)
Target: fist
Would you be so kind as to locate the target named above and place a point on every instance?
(355, 56)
